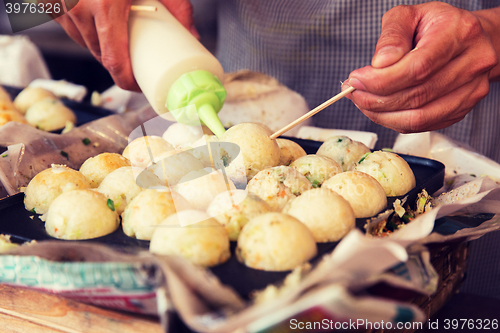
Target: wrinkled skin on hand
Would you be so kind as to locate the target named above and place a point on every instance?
(430, 68)
(101, 26)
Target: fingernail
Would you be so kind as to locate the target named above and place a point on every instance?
(353, 82)
(344, 85)
(386, 56)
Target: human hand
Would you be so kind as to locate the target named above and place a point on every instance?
(101, 26)
(429, 70)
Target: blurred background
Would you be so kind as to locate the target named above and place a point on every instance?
(67, 60)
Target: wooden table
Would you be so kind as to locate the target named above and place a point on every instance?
(24, 310)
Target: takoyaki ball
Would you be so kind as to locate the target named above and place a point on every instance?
(316, 168)
(257, 149)
(81, 214)
(391, 171)
(148, 209)
(289, 151)
(233, 209)
(364, 193)
(49, 184)
(29, 96)
(121, 185)
(171, 166)
(7, 116)
(181, 135)
(98, 167)
(275, 242)
(343, 150)
(141, 150)
(193, 235)
(327, 214)
(202, 186)
(49, 115)
(277, 185)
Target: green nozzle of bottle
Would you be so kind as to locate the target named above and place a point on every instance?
(197, 97)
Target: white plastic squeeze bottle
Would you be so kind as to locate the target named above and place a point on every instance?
(174, 70)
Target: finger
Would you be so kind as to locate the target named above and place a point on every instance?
(454, 75)
(413, 69)
(83, 20)
(67, 24)
(182, 10)
(436, 115)
(111, 25)
(396, 37)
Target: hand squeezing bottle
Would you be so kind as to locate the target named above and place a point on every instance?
(174, 70)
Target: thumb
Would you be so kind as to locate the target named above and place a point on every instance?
(396, 38)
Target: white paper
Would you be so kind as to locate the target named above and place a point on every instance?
(62, 88)
(457, 157)
(20, 61)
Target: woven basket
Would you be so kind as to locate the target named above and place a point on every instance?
(450, 261)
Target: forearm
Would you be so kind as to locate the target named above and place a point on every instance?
(490, 20)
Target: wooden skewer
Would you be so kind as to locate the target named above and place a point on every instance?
(136, 8)
(313, 112)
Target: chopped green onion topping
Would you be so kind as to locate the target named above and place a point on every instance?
(33, 210)
(363, 158)
(387, 149)
(224, 160)
(5, 155)
(86, 141)
(315, 183)
(65, 154)
(340, 140)
(406, 217)
(111, 204)
(391, 226)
